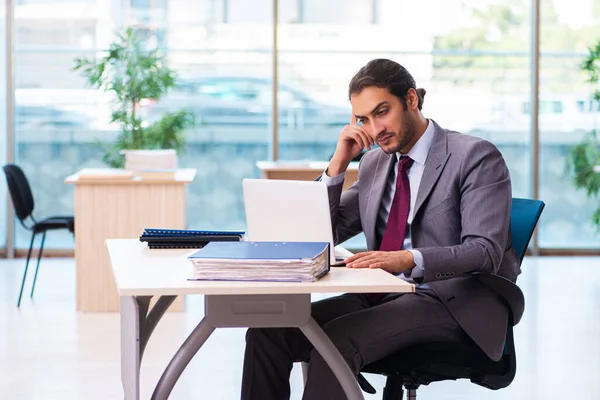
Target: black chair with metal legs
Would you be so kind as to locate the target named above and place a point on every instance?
(22, 199)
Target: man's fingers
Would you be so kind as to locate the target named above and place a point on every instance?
(363, 262)
(357, 265)
(371, 140)
(359, 135)
(366, 140)
(356, 256)
(359, 139)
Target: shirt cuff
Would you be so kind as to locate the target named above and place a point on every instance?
(333, 180)
(419, 270)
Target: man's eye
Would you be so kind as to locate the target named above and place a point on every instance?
(382, 112)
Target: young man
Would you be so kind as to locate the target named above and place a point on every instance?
(434, 206)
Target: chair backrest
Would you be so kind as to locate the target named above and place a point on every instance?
(20, 192)
(524, 215)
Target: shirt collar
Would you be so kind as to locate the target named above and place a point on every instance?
(420, 150)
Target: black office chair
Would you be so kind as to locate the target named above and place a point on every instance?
(432, 362)
(22, 199)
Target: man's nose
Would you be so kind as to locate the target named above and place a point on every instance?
(376, 129)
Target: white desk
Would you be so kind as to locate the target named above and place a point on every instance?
(141, 273)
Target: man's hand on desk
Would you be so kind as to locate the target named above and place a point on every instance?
(390, 261)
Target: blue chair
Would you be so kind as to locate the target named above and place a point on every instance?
(423, 364)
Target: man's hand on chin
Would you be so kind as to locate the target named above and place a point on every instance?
(391, 261)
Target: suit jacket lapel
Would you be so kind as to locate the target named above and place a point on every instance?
(436, 161)
(378, 185)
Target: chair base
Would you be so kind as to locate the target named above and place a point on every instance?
(411, 392)
(395, 386)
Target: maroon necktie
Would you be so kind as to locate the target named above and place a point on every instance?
(395, 229)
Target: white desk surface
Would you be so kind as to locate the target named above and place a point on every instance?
(110, 176)
(140, 271)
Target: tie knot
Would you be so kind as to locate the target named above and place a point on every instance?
(405, 163)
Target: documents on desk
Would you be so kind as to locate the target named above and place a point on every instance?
(261, 261)
(187, 238)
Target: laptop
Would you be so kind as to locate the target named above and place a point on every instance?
(290, 211)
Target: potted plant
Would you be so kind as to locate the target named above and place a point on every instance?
(583, 161)
(133, 73)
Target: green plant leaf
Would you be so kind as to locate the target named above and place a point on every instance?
(585, 156)
(129, 70)
(168, 132)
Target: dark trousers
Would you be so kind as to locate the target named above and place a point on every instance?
(363, 331)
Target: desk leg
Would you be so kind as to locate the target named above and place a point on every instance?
(136, 329)
(184, 355)
(130, 347)
(257, 311)
(150, 322)
(334, 359)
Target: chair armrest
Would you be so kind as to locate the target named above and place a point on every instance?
(508, 290)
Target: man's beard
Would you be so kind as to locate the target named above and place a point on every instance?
(405, 137)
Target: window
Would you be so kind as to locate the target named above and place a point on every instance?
(337, 11)
(476, 72)
(3, 133)
(545, 107)
(566, 34)
(250, 12)
(223, 69)
(588, 106)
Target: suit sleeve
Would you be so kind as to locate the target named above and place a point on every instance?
(485, 202)
(344, 209)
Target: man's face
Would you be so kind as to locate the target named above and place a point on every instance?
(384, 118)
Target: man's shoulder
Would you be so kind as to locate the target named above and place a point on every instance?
(462, 139)
(464, 143)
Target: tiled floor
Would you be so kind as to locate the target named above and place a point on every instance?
(48, 351)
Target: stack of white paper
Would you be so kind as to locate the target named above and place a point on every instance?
(261, 261)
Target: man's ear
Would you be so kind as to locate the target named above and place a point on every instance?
(412, 99)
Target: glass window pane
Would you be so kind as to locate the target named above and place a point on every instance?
(567, 112)
(226, 81)
(224, 70)
(3, 132)
(250, 12)
(56, 117)
(337, 12)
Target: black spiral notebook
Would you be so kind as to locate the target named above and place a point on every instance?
(187, 238)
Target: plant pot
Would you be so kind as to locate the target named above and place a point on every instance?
(150, 160)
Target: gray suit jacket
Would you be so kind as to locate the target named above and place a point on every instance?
(461, 225)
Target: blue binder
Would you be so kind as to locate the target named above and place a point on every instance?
(261, 250)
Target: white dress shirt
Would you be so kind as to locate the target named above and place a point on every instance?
(419, 154)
